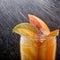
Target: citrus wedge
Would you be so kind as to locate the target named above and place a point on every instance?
(53, 33)
(38, 22)
(25, 29)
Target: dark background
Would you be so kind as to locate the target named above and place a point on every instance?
(13, 12)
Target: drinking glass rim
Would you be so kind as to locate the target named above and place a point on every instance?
(35, 45)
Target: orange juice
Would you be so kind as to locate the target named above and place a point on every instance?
(36, 42)
(27, 49)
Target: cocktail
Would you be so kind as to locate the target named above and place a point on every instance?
(36, 41)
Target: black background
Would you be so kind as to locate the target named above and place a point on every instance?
(13, 12)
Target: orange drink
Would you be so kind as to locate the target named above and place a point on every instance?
(36, 41)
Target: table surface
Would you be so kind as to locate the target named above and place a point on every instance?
(13, 12)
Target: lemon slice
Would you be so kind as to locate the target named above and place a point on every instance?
(25, 29)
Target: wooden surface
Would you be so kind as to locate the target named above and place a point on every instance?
(13, 12)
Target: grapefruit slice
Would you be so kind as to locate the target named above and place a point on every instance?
(38, 22)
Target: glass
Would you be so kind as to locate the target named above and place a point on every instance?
(30, 51)
(48, 49)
